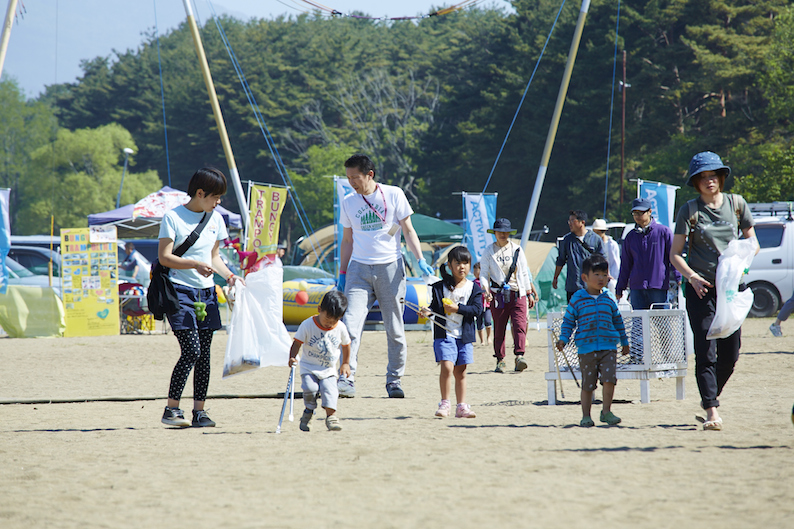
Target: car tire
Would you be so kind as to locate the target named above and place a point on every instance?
(766, 300)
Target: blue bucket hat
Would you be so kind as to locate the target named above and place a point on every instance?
(705, 161)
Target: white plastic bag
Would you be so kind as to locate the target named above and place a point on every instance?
(732, 305)
(257, 335)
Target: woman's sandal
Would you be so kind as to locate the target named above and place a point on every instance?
(713, 425)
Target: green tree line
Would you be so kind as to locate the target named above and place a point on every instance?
(431, 101)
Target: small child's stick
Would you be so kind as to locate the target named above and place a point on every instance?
(556, 363)
(556, 339)
(286, 397)
(418, 309)
(292, 397)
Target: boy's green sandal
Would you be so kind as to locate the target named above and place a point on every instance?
(586, 422)
(609, 418)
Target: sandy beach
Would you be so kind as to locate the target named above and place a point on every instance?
(520, 463)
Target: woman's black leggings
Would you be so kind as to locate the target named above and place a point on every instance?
(714, 359)
(195, 345)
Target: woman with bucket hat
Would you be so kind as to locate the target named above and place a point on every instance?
(505, 278)
(709, 223)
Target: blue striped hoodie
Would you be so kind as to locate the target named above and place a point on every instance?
(597, 321)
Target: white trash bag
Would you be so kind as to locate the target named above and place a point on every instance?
(257, 335)
(732, 305)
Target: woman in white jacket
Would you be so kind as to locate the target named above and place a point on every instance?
(507, 284)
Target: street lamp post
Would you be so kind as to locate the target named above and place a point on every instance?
(127, 152)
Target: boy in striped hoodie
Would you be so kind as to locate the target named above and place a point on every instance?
(594, 314)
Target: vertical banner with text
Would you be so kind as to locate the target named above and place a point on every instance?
(480, 215)
(662, 197)
(89, 281)
(5, 237)
(267, 203)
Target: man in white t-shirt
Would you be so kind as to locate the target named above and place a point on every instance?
(371, 266)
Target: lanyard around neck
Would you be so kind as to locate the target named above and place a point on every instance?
(385, 206)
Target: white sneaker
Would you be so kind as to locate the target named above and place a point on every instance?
(332, 423)
(347, 389)
(463, 411)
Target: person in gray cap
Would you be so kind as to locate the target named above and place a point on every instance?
(645, 266)
(709, 223)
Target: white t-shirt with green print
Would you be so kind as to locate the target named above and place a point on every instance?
(375, 220)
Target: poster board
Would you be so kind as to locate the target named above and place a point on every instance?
(89, 280)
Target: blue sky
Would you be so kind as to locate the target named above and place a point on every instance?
(49, 41)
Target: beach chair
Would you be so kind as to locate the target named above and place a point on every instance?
(134, 317)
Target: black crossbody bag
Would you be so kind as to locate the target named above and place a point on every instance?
(161, 297)
(507, 297)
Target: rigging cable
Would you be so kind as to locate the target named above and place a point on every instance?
(520, 103)
(162, 95)
(611, 109)
(443, 11)
(280, 166)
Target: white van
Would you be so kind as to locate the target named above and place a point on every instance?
(771, 276)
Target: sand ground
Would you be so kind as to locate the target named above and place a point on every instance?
(520, 463)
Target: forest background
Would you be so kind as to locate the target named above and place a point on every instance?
(431, 101)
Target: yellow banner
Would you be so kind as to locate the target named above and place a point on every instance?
(89, 268)
(267, 203)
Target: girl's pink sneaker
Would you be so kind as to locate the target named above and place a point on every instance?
(443, 409)
(464, 411)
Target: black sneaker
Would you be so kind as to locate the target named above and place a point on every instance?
(175, 417)
(202, 420)
(395, 390)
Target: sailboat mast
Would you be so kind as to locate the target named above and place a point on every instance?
(555, 121)
(9, 21)
(216, 110)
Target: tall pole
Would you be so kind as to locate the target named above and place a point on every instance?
(9, 21)
(216, 110)
(623, 129)
(555, 121)
(127, 152)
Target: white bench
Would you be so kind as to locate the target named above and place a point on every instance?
(662, 355)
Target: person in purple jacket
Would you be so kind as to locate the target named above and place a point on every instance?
(645, 259)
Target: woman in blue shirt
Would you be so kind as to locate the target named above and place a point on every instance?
(192, 275)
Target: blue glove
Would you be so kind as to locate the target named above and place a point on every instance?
(425, 268)
(340, 283)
